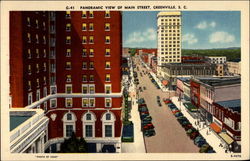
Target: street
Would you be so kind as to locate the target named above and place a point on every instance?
(170, 136)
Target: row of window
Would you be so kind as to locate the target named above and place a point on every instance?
(171, 60)
(170, 38)
(37, 24)
(84, 52)
(86, 102)
(85, 15)
(170, 49)
(85, 65)
(89, 41)
(170, 46)
(37, 68)
(87, 88)
(38, 83)
(170, 25)
(174, 42)
(36, 38)
(37, 52)
(170, 19)
(176, 30)
(89, 28)
(38, 96)
(178, 56)
(170, 35)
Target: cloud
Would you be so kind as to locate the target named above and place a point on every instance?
(189, 38)
(221, 37)
(204, 24)
(140, 37)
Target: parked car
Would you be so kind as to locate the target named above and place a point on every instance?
(141, 101)
(188, 126)
(147, 127)
(178, 114)
(166, 100)
(143, 109)
(205, 148)
(158, 97)
(199, 141)
(149, 118)
(194, 135)
(145, 112)
(149, 132)
(175, 111)
(159, 103)
(190, 131)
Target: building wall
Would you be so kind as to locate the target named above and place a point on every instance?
(234, 68)
(230, 92)
(218, 59)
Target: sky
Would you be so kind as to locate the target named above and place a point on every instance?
(200, 29)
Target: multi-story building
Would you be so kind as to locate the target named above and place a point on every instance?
(169, 38)
(217, 59)
(234, 67)
(81, 54)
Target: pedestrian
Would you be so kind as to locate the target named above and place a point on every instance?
(207, 132)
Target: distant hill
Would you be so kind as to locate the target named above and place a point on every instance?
(231, 53)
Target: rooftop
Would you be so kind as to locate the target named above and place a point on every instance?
(168, 13)
(184, 79)
(219, 81)
(17, 118)
(235, 105)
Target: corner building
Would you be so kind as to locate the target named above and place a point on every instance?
(85, 79)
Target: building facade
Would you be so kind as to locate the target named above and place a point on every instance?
(169, 38)
(81, 73)
(217, 59)
(234, 67)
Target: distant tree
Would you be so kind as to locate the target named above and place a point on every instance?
(74, 145)
(132, 51)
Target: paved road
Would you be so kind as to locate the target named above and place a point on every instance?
(170, 136)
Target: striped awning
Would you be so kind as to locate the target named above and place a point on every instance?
(215, 127)
(226, 138)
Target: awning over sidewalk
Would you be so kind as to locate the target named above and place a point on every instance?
(226, 138)
(190, 107)
(215, 127)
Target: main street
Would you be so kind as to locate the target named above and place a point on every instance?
(170, 136)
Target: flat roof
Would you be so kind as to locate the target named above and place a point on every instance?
(15, 121)
(218, 81)
(168, 13)
(235, 105)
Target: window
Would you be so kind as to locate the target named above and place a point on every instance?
(37, 68)
(44, 40)
(91, 14)
(84, 78)
(107, 89)
(44, 67)
(108, 116)
(84, 15)
(107, 78)
(107, 52)
(29, 85)
(68, 88)
(84, 27)
(69, 102)
(84, 65)
(84, 52)
(107, 102)
(107, 39)
(107, 26)
(44, 53)
(37, 25)
(91, 52)
(37, 95)
(53, 103)
(91, 102)
(44, 26)
(68, 16)
(68, 27)
(91, 89)
(84, 89)
(107, 14)
(68, 40)
(84, 39)
(37, 82)
(37, 53)
(88, 116)
(44, 91)
(29, 53)
(68, 65)
(30, 98)
(107, 65)
(37, 39)
(108, 130)
(68, 53)
(69, 130)
(28, 21)
(91, 39)
(91, 65)
(69, 116)
(53, 68)
(89, 131)
(91, 27)
(91, 78)
(29, 69)
(85, 103)
(53, 89)
(68, 78)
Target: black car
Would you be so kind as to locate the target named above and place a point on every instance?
(149, 132)
(144, 88)
(158, 97)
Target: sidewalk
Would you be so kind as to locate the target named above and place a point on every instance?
(138, 145)
(210, 136)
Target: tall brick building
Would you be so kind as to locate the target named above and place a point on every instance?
(69, 64)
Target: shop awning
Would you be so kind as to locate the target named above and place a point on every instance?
(226, 138)
(215, 127)
(165, 82)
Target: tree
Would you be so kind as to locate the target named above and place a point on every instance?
(74, 145)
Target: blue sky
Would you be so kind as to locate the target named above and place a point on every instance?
(200, 29)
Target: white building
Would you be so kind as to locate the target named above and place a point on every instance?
(217, 59)
(28, 130)
(169, 38)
